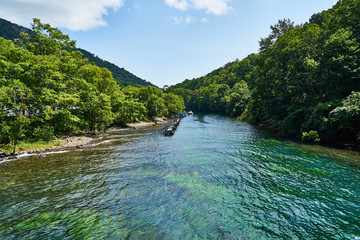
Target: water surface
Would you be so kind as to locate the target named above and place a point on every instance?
(216, 178)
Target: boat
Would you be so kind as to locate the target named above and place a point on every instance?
(190, 113)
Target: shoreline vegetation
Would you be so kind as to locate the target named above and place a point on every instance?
(49, 90)
(69, 142)
(304, 83)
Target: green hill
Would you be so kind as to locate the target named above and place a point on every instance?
(11, 31)
(122, 76)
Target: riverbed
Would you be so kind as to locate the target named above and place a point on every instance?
(216, 178)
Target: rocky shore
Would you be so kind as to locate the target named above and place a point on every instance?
(64, 143)
(72, 142)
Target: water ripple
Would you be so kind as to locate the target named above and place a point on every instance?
(216, 178)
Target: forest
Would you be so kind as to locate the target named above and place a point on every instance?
(11, 31)
(303, 83)
(48, 89)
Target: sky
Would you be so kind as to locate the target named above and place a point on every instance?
(164, 41)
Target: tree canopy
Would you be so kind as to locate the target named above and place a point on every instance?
(11, 31)
(305, 79)
(47, 89)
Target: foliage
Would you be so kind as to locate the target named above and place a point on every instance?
(305, 78)
(47, 89)
(223, 91)
(174, 103)
(346, 117)
(11, 31)
(184, 93)
(310, 136)
(121, 75)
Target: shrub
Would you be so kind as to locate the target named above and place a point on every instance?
(310, 136)
(44, 134)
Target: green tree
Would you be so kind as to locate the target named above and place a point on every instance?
(174, 103)
(346, 117)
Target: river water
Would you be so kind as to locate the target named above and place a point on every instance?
(216, 178)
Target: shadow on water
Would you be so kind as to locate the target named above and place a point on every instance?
(216, 178)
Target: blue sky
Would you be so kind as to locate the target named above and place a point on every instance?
(164, 41)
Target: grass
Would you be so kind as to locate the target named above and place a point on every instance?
(29, 146)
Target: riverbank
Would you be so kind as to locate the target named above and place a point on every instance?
(46, 147)
(40, 148)
(148, 124)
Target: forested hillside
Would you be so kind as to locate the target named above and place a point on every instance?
(123, 77)
(11, 31)
(304, 82)
(47, 89)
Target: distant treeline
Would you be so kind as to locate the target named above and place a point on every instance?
(304, 82)
(47, 89)
(11, 31)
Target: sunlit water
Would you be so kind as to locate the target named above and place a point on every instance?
(216, 178)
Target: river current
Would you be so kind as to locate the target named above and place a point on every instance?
(216, 178)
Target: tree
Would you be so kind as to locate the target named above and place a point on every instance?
(46, 40)
(277, 30)
(346, 117)
(174, 103)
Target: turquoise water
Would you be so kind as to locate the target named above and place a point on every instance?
(216, 178)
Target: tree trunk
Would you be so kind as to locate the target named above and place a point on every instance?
(15, 143)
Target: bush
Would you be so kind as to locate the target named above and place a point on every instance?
(44, 134)
(310, 136)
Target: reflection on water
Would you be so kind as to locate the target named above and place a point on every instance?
(216, 178)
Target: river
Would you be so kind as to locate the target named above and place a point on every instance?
(216, 178)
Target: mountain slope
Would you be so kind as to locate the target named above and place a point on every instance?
(121, 75)
(11, 31)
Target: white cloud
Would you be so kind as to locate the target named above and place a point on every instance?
(217, 7)
(190, 19)
(178, 20)
(186, 20)
(72, 14)
(179, 4)
(204, 20)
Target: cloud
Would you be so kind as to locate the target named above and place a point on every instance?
(190, 19)
(186, 20)
(74, 15)
(178, 20)
(204, 20)
(217, 7)
(179, 4)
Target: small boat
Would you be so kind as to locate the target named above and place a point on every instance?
(190, 113)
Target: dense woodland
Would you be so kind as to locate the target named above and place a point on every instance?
(11, 31)
(47, 90)
(304, 82)
(121, 75)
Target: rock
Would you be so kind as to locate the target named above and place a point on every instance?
(352, 146)
(3, 154)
